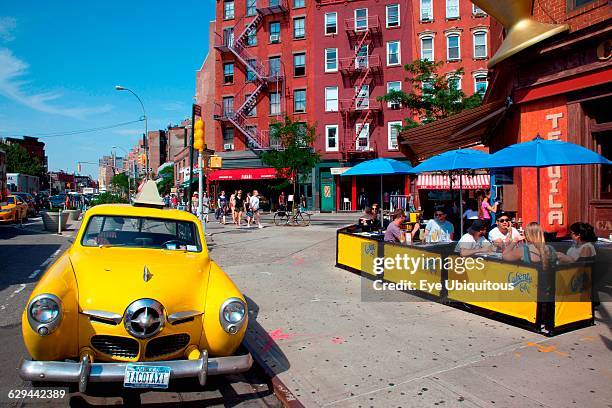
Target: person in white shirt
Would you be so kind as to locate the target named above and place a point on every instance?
(439, 229)
(254, 203)
(474, 240)
(504, 233)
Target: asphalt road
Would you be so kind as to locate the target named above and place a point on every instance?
(24, 255)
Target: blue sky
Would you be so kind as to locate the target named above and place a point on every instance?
(60, 61)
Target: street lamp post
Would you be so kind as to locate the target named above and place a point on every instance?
(129, 170)
(144, 116)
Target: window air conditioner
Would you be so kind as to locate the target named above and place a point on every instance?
(394, 105)
(274, 38)
(228, 146)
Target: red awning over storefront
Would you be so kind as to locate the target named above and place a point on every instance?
(441, 182)
(264, 173)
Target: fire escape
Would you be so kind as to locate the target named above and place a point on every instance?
(360, 70)
(261, 76)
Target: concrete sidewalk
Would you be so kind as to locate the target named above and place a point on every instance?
(311, 327)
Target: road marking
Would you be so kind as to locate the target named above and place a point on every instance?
(21, 287)
(34, 274)
(46, 262)
(266, 273)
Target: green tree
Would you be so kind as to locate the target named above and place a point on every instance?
(120, 182)
(18, 160)
(296, 156)
(167, 175)
(431, 95)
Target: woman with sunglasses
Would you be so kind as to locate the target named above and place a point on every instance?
(583, 235)
(504, 233)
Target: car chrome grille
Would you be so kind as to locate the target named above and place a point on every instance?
(115, 346)
(166, 345)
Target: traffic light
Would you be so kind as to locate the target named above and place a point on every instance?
(142, 160)
(198, 135)
(215, 162)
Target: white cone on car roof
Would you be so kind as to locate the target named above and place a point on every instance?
(149, 196)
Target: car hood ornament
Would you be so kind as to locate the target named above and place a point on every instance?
(147, 275)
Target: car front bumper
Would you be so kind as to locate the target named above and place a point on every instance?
(85, 371)
(7, 216)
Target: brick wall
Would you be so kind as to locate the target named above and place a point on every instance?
(560, 12)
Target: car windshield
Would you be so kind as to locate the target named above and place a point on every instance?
(106, 230)
(10, 200)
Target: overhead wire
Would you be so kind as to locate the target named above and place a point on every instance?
(77, 132)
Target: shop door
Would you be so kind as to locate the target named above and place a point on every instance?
(328, 192)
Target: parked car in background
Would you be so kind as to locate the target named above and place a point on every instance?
(58, 200)
(15, 210)
(29, 199)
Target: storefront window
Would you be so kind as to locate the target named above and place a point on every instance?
(605, 187)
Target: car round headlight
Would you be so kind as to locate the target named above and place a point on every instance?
(233, 312)
(44, 310)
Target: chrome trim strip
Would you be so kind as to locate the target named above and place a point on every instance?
(102, 315)
(59, 371)
(183, 315)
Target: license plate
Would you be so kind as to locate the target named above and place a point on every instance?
(146, 376)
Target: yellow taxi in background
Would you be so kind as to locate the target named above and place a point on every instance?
(13, 210)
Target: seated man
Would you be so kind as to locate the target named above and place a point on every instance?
(394, 232)
(439, 229)
(473, 241)
(504, 233)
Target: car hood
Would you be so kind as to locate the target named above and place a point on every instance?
(110, 279)
(7, 207)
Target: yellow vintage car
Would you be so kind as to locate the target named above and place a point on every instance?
(137, 300)
(13, 209)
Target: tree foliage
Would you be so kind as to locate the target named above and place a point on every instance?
(167, 175)
(18, 160)
(296, 157)
(120, 182)
(430, 95)
(107, 198)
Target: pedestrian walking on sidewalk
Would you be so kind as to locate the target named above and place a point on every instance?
(222, 206)
(247, 210)
(256, 216)
(239, 207)
(232, 203)
(205, 206)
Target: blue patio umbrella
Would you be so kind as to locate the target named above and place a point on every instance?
(379, 167)
(544, 153)
(455, 160)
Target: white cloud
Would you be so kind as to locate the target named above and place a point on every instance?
(7, 26)
(12, 69)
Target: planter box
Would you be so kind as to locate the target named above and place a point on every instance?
(73, 214)
(51, 219)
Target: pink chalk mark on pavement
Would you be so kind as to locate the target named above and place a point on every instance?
(275, 335)
(337, 340)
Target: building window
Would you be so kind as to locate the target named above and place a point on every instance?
(452, 47)
(251, 37)
(331, 23)
(331, 99)
(228, 9)
(228, 73)
(426, 10)
(454, 83)
(299, 27)
(275, 66)
(394, 86)
(480, 83)
(427, 87)
(253, 110)
(393, 15)
(480, 44)
(298, 3)
(275, 32)
(427, 50)
(361, 60)
(361, 19)
(393, 53)
(299, 101)
(228, 138)
(299, 64)
(574, 4)
(393, 129)
(331, 59)
(362, 131)
(228, 37)
(477, 11)
(228, 106)
(452, 9)
(251, 7)
(362, 97)
(331, 138)
(275, 104)
(250, 72)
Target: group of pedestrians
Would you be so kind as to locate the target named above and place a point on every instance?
(239, 206)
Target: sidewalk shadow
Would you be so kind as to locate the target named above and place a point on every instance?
(262, 346)
(18, 262)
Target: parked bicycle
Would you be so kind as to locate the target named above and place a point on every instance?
(299, 217)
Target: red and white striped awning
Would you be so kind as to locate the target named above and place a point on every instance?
(442, 182)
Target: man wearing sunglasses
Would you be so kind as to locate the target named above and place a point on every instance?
(504, 233)
(439, 229)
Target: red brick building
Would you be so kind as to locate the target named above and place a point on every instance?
(158, 150)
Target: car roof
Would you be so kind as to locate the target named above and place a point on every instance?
(133, 211)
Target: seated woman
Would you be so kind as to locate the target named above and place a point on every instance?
(583, 235)
(533, 249)
(366, 221)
